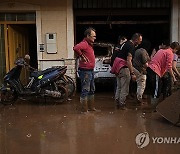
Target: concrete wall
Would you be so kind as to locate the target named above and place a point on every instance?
(52, 16)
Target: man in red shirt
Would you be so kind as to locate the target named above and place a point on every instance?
(85, 52)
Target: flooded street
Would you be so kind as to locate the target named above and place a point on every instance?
(47, 128)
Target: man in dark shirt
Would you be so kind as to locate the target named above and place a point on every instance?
(126, 72)
(117, 48)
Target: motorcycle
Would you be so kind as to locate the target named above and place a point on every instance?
(50, 83)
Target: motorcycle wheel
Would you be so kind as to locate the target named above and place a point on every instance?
(69, 84)
(7, 97)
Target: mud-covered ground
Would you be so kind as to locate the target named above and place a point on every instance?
(48, 128)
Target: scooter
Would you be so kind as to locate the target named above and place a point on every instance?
(42, 84)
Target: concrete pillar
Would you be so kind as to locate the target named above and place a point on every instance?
(175, 21)
(39, 36)
(70, 29)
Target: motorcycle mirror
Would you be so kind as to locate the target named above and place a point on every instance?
(27, 57)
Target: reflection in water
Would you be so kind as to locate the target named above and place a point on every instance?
(53, 129)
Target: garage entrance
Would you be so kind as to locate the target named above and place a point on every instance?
(112, 18)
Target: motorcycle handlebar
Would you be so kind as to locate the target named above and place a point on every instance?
(22, 62)
(32, 68)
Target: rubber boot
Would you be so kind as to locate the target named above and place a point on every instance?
(91, 106)
(154, 103)
(140, 100)
(117, 103)
(84, 106)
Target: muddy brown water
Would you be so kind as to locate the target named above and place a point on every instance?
(48, 128)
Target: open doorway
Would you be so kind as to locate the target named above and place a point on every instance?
(21, 40)
(33, 45)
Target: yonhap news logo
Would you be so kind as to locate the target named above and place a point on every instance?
(143, 139)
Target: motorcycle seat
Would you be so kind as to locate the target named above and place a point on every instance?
(36, 74)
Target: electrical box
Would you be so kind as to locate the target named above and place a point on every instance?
(51, 45)
(41, 47)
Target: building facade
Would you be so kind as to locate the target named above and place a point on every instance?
(48, 30)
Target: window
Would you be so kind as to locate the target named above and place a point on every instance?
(17, 16)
